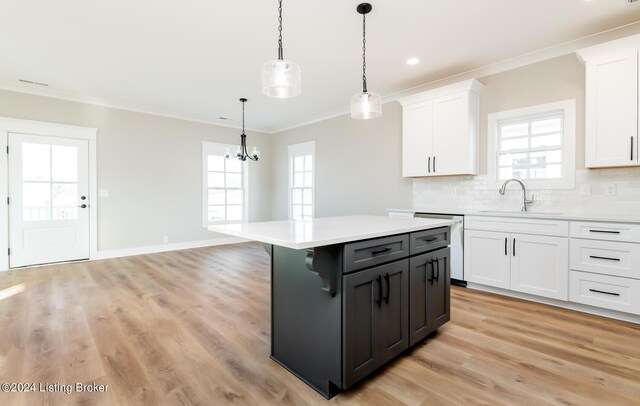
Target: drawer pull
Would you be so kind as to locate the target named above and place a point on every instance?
(607, 258)
(604, 231)
(428, 240)
(382, 251)
(603, 292)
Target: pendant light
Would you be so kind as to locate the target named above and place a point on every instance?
(281, 77)
(241, 152)
(367, 104)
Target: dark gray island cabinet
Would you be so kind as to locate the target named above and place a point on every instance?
(341, 311)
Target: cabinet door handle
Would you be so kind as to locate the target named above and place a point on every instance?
(430, 280)
(604, 231)
(382, 251)
(514, 247)
(437, 269)
(505, 246)
(607, 258)
(603, 292)
(429, 164)
(631, 149)
(434, 164)
(386, 298)
(379, 299)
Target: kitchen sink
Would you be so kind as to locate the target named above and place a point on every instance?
(519, 212)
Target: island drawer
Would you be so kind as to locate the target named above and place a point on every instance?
(609, 292)
(363, 254)
(429, 240)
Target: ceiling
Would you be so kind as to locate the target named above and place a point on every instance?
(195, 58)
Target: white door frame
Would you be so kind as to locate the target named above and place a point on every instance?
(12, 125)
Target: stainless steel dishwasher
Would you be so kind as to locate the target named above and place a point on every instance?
(457, 244)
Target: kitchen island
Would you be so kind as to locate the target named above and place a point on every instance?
(351, 293)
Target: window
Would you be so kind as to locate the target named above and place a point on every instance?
(224, 186)
(301, 180)
(535, 144)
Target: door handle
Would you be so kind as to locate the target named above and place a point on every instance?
(83, 206)
(83, 197)
(514, 247)
(429, 165)
(434, 164)
(386, 278)
(379, 300)
(505, 246)
(437, 270)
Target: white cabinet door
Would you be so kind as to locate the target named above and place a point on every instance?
(417, 134)
(451, 135)
(487, 258)
(611, 132)
(540, 265)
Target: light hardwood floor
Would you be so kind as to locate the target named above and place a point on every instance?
(192, 327)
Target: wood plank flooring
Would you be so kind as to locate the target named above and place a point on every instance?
(192, 327)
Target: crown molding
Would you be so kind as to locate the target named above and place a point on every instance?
(95, 101)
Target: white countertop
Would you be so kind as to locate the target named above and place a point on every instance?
(575, 216)
(323, 231)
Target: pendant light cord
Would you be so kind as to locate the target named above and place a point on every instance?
(280, 53)
(364, 52)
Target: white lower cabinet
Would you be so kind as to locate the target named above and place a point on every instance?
(540, 265)
(533, 264)
(486, 258)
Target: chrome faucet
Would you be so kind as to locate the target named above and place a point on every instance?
(525, 201)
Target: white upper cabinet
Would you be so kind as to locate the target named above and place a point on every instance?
(440, 131)
(611, 111)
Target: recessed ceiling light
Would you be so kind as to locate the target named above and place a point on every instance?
(413, 61)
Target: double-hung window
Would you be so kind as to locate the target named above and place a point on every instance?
(224, 186)
(301, 180)
(535, 144)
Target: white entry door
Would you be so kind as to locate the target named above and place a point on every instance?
(48, 199)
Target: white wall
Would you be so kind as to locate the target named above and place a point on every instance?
(152, 168)
(358, 166)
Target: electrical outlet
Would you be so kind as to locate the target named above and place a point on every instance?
(610, 189)
(165, 239)
(585, 190)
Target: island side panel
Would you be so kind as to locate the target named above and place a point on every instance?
(306, 320)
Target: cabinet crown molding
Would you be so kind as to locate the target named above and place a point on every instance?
(605, 48)
(471, 85)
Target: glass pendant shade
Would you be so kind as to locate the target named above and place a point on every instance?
(281, 79)
(366, 105)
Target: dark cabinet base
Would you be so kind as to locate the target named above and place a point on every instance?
(332, 328)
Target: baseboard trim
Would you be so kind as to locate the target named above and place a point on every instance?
(611, 314)
(151, 249)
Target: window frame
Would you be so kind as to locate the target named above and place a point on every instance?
(566, 108)
(216, 148)
(301, 149)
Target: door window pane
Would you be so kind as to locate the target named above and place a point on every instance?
(36, 162)
(64, 163)
(65, 201)
(36, 201)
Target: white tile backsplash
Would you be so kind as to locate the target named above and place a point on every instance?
(470, 193)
